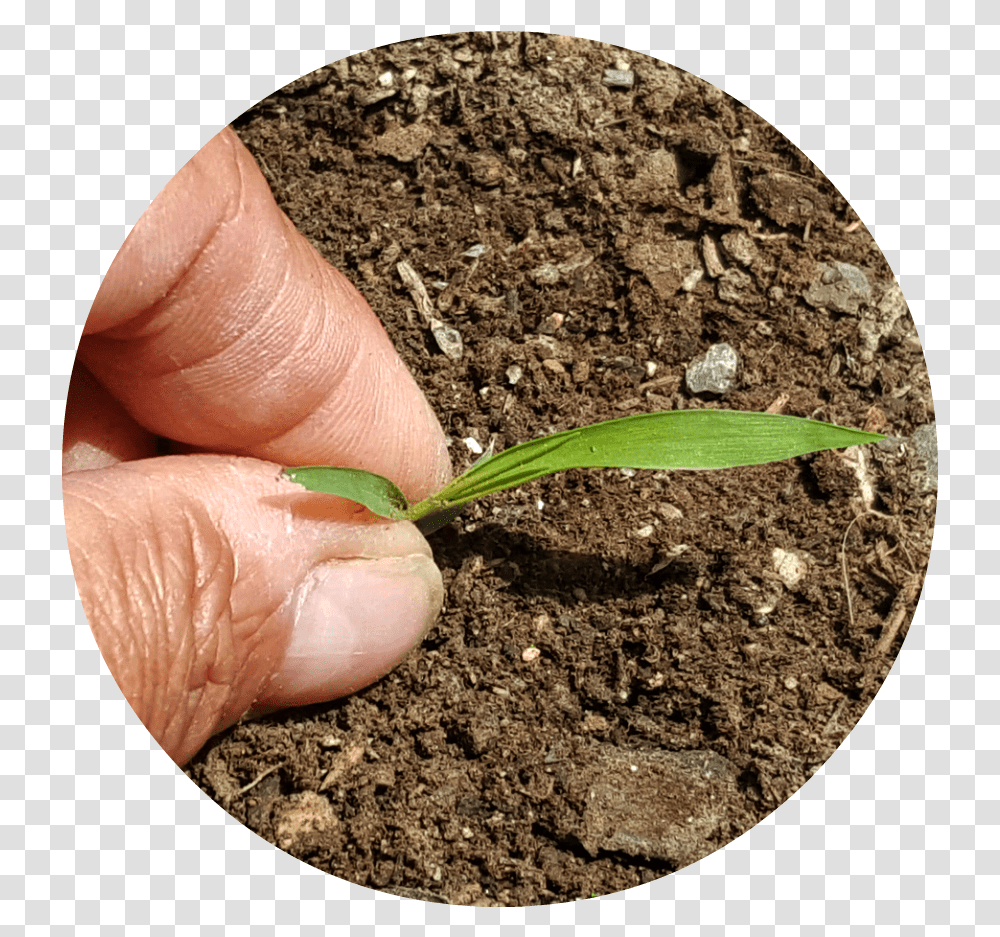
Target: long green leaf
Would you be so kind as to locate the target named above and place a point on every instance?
(676, 439)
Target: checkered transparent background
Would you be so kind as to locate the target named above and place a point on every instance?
(102, 103)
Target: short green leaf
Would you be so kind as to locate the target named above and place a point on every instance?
(376, 493)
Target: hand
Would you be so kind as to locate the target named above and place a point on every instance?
(212, 584)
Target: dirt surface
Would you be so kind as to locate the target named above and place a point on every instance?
(632, 668)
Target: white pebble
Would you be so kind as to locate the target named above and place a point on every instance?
(788, 566)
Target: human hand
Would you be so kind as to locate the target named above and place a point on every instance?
(213, 585)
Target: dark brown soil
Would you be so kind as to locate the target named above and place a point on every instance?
(699, 655)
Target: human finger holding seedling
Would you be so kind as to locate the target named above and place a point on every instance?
(212, 584)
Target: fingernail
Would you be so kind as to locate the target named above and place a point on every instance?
(355, 620)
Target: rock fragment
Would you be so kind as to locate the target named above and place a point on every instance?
(666, 263)
(789, 567)
(448, 339)
(663, 805)
(739, 246)
(619, 78)
(839, 286)
(714, 371)
(735, 286)
(924, 440)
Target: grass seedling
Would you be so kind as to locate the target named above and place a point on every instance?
(675, 439)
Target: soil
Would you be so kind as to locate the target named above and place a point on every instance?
(631, 668)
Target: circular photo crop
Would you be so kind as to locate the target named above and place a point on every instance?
(622, 646)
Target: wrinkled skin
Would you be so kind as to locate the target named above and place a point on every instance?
(213, 585)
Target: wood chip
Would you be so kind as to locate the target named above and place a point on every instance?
(417, 290)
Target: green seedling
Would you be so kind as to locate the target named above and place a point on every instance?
(676, 439)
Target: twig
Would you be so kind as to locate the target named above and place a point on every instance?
(417, 290)
(834, 716)
(843, 560)
(766, 353)
(897, 613)
(259, 778)
(613, 123)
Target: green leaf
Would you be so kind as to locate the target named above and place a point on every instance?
(675, 439)
(376, 493)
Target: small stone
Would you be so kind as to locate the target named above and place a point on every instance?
(448, 340)
(840, 287)
(714, 371)
(477, 250)
(514, 373)
(366, 97)
(646, 531)
(554, 366)
(670, 512)
(472, 444)
(619, 78)
(530, 653)
(735, 285)
(925, 442)
(692, 279)
(545, 274)
(551, 324)
(791, 683)
(739, 246)
(788, 566)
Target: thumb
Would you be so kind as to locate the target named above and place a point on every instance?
(214, 585)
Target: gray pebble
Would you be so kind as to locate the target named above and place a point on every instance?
(448, 340)
(618, 78)
(839, 286)
(714, 371)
